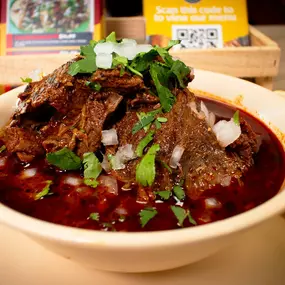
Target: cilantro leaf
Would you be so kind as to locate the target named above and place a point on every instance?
(165, 195)
(157, 124)
(119, 60)
(180, 214)
(167, 99)
(191, 219)
(86, 65)
(172, 43)
(134, 71)
(162, 119)
(94, 216)
(92, 169)
(179, 192)
(45, 190)
(64, 159)
(144, 120)
(3, 148)
(111, 38)
(146, 215)
(143, 143)
(26, 80)
(145, 171)
(109, 226)
(236, 118)
(165, 56)
(180, 70)
(165, 165)
(143, 60)
(87, 51)
(93, 85)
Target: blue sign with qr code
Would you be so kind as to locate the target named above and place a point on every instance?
(192, 1)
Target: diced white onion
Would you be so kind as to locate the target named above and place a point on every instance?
(176, 156)
(127, 50)
(36, 75)
(129, 41)
(124, 154)
(30, 172)
(121, 211)
(106, 164)
(106, 48)
(110, 182)
(226, 181)
(110, 137)
(226, 132)
(209, 116)
(74, 181)
(104, 60)
(212, 203)
(2, 161)
(144, 48)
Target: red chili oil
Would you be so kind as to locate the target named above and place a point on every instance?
(72, 205)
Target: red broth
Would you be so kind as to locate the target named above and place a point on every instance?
(72, 205)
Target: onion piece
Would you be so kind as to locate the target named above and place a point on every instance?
(36, 75)
(212, 119)
(209, 116)
(29, 172)
(124, 154)
(212, 203)
(176, 156)
(73, 181)
(129, 42)
(106, 48)
(105, 163)
(127, 50)
(109, 137)
(226, 181)
(226, 132)
(110, 183)
(104, 60)
(144, 48)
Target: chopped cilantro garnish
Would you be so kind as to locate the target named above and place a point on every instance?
(159, 77)
(87, 51)
(236, 118)
(165, 195)
(134, 71)
(172, 43)
(179, 192)
(180, 214)
(191, 220)
(92, 169)
(64, 159)
(111, 38)
(94, 216)
(26, 80)
(3, 148)
(119, 60)
(157, 124)
(145, 171)
(162, 119)
(45, 190)
(165, 165)
(144, 120)
(143, 143)
(180, 70)
(146, 215)
(143, 60)
(165, 56)
(122, 218)
(109, 226)
(93, 85)
(85, 65)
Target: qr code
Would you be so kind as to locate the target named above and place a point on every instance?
(198, 36)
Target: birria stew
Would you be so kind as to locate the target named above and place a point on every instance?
(115, 141)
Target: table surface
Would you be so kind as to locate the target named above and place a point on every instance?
(277, 34)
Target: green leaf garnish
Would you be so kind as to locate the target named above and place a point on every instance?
(92, 169)
(180, 214)
(45, 190)
(159, 76)
(165, 56)
(144, 120)
(191, 219)
(236, 118)
(179, 192)
(119, 60)
(93, 85)
(87, 51)
(164, 164)
(165, 195)
(109, 226)
(143, 143)
(134, 71)
(162, 119)
(94, 216)
(85, 65)
(181, 71)
(143, 60)
(172, 43)
(3, 148)
(26, 80)
(146, 215)
(111, 38)
(157, 124)
(145, 171)
(122, 218)
(64, 159)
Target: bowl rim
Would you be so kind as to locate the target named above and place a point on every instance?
(155, 239)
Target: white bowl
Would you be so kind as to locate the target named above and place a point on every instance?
(154, 251)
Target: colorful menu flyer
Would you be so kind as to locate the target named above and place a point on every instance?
(48, 26)
(197, 23)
